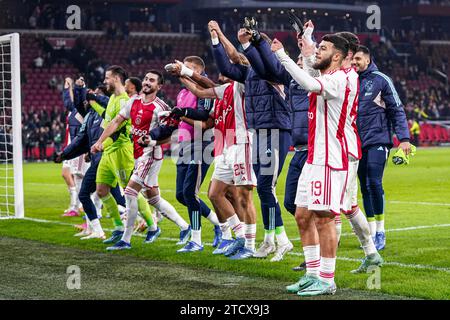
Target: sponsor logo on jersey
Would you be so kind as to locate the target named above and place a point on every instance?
(224, 114)
(138, 132)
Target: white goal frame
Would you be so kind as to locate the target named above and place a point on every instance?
(16, 113)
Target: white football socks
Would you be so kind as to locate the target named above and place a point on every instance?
(73, 198)
(237, 226)
(373, 228)
(250, 236)
(196, 236)
(132, 206)
(269, 236)
(96, 226)
(380, 225)
(326, 269)
(362, 230)
(168, 211)
(312, 259)
(213, 218)
(226, 231)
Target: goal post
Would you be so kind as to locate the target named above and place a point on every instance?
(11, 174)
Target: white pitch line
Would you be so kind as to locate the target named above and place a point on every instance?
(389, 263)
(421, 203)
(204, 192)
(396, 230)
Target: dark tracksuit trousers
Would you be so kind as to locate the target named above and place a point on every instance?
(370, 174)
(88, 186)
(268, 163)
(190, 175)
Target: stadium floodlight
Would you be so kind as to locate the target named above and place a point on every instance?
(11, 175)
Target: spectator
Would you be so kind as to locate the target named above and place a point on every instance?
(414, 129)
(52, 83)
(39, 61)
(42, 143)
(32, 22)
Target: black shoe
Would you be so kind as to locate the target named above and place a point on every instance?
(300, 267)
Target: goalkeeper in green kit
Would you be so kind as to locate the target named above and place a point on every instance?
(117, 162)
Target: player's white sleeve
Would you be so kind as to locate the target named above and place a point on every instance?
(220, 90)
(300, 76)
(126, 109)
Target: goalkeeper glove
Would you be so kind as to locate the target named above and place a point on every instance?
(399, 156)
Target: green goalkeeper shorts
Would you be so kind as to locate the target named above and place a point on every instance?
(116, 167)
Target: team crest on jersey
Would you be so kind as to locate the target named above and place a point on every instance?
(138, 121)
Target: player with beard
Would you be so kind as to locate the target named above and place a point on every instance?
(322, 182)
(116, 164)
(143, 112)
(350, 202)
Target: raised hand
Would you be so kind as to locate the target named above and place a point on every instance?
(214, 26)
(276, 45)
(308, 48)
(244, 35)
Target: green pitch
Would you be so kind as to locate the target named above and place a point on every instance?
(36, 254)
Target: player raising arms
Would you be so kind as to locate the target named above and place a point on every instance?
(117, 161)
(143, 112)
(350, 204)
(322, 181)
(232, 151)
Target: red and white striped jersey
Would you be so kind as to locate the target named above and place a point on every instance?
(144, 117)
(351, 130)
(327, 115)
(230, 123)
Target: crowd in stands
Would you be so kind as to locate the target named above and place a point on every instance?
(42, 129)
(150, 51)
(429, 101)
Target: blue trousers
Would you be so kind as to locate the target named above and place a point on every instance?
(295, 169)
(88, 186)
(370, 174)
(189, 179)
(268, 163)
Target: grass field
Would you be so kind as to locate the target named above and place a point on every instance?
(35, 254)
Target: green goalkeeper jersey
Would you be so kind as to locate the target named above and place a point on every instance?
(121, 138)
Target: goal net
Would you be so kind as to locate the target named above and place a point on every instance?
(11, 177)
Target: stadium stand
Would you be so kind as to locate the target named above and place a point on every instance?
(415, 56)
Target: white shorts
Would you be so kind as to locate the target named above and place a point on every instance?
(351, 192)
(146, 171)
(77, 165)
(234, 166)
(321, 188)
